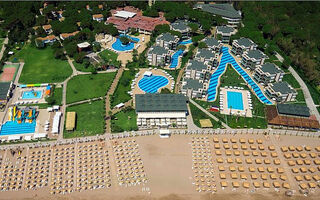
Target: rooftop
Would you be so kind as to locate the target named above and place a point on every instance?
(210, 42)
(293, 109)
(225, 10)
(256, 54)
(196, 65)
(158, 50)
(180, 26)
(271, 68)
(70, 121)
(205, 53)
(245, 42)
(124, 14)
(167, 37)
(46, 27)
(4, 88)
(282, 87)
(83, 45)
(161, 103)
(192, 84)
(97, 16)
(49, 37)
(225, 29)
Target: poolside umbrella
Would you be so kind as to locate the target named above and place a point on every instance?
(254, 176)
(295, 155)
(287, 155)
(276, 184)
(243, 176)
(266, 184)
(256, 184)
(264, 176)
(234, 146)
(283, 177)
(246, 153)
(236, 153)
(284, 149)
(298, 178)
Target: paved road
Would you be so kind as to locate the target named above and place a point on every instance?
(208, 113)
(306, 93)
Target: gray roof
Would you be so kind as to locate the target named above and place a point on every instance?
(225, 29)
(192, 84)
(4, 88)
(283, 88)
(167, 37)
(257, 54)
(196, 65)
(225, 10)
(161, 103)
(245, 42)
(158, 50)
(271, 68)
(211, 42)
(205, 53)
(293, 109)
(180, 25)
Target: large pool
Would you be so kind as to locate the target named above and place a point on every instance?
(153, 83)
(175, 58)
(118, 46)
(35, 94)
(13, 127)
(235, 100)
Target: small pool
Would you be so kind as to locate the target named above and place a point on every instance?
(235, 100)
(118, 46)
(175, 58)
(13, 127)
(153, 83)
(35, 94)
(186, 42)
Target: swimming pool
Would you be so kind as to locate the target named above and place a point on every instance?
(175, 58)
(13, 127)
(36, 94)
(118, 46)
(235, 100)
(153, 83)
(186, 42)
(227, 58)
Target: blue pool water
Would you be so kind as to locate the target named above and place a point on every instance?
(13, 127)
(185, 42)
(235, 100)
(175, 58)
(118, 46)
(227, 58)
(153, 83)
(36, 94)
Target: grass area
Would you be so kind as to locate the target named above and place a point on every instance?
(88, 86)
(121, 93)
(232, 78)
(90, 119)
(57, 95)
(82, 68)
(197, 114)
(289, 78)
(125, 120)
(315, 94)
(110, 57)
(41, 66)
(300, 96)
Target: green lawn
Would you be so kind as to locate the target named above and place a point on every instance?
(300, 96)
(315, 94)
(57, 95)
(231, 78)
(197, 114)
(110, 57)
(90, 119)
(121, 93)
(81, 67)
(125, 120)
(289, 78)
(88, 86)
(41, 66)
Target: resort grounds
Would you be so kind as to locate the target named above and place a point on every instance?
(184, 167)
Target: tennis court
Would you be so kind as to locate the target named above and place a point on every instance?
(9, 72)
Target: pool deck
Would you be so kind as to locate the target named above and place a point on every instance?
(227, 111)
(125, 56)
(156, 72)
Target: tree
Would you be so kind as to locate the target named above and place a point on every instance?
(59, 54)
(125, 40)
(202, 45)
(165, 91)
(79, 57)
(151, 12)
(71, 48)
(194, 27)
(50, 100)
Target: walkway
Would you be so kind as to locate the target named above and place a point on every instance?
(306, 93)
(208, 113)
(214, 80)
(3, 47)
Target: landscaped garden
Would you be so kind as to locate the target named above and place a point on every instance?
(110, 57)
(197, 115)
(81, 67)
(41, 66)
(124, 86)
(89, 121)
(89, 86)
(125, 120)
(289, 78)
